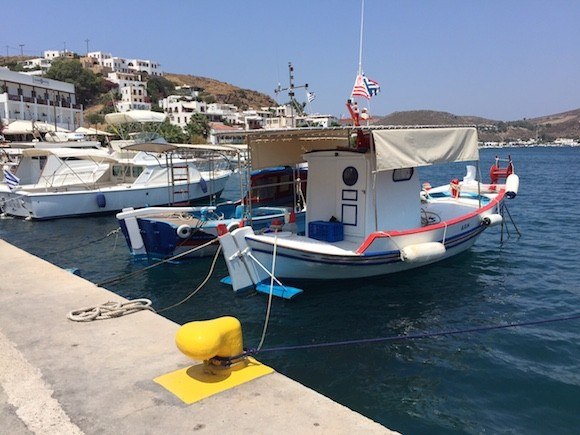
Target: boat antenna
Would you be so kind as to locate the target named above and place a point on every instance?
(294, 105)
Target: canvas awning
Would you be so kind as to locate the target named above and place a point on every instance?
(92, 131)
(411, 147)
(99, 156)
(286, 147)
(395, 147)
(27, 127)
(139, 116)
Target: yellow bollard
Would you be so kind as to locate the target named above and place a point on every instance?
(205, 340)
(219, 344)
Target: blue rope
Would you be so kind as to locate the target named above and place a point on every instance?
(412, 336)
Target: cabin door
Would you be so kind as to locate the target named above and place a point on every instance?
(352, 191)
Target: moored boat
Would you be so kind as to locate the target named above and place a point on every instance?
(54, 183)
(367, 214)
(277, 195)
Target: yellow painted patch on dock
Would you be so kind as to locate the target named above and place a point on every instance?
(191, 384)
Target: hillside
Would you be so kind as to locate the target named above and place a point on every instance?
(223, 92)
(566, 124)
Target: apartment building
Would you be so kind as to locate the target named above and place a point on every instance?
(133, 91)
(27, 97)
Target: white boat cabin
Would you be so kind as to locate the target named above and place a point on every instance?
(343, 187)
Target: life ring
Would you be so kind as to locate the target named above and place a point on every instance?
(454, 185)
(184, 231)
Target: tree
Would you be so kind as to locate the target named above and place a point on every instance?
(95, 118)
(158, 88)
(197, 129)
(87, 84)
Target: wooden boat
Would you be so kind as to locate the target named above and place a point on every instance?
(367, 214)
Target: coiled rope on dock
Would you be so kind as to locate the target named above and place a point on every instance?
(109, 310)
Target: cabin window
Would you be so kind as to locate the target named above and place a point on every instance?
(137, 170)
(117, 171)
(403, 174)
(350, 176)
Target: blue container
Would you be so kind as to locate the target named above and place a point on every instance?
(326, 231)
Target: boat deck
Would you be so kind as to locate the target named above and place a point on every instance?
(289, 240)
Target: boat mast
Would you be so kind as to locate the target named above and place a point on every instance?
(360, 49)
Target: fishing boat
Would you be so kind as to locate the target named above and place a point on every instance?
(168, 232)
(62, 182)
(178, 232)
(368, 213)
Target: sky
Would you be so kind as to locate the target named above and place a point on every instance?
(499, 59)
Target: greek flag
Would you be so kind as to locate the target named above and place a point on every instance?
(311, 96)
(10, 179)
(373, 87)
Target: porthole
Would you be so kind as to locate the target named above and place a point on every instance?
(350, 176)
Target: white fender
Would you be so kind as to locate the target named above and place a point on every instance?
(492, 220)
(137, 245)
(184, 231)
(422, 252)
(512, 184)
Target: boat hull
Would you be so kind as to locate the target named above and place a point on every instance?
(51, 205)
(295, 263)
(161, 237)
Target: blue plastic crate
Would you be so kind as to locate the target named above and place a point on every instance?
(326, 231)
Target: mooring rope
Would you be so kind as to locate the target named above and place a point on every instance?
(109, 310)
(199, 287)
(109, 234)
(123, 277)
(412, 336)
(270, 296)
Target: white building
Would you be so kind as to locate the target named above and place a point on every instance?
(180, 108)
(220, 112)
(26, 97)
(133, 91)
(120, 64)
(44, 63)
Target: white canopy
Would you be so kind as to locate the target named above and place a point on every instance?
(92, 131)
(27, 127)
(410, 147)
(130, 116)
(395, 147)
(100, 156)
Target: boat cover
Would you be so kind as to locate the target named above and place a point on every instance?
(80, 153)
(286, 147)
(395, 147)
(411, 147)
(130, 116)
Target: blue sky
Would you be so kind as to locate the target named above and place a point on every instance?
(503, 60)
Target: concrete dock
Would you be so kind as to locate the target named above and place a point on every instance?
(64, 377)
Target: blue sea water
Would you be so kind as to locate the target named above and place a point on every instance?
(517, 380)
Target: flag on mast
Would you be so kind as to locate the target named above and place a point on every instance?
(311, 96)
(365, 87)
(359, 89)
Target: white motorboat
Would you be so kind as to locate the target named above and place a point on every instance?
(53, 183)
(367, 214)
